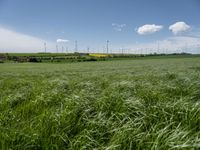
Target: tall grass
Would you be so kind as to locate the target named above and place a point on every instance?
(134, 104)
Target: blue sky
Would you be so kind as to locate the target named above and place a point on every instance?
(92, 22)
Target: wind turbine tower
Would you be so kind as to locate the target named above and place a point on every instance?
(107, 46)
(56, 48)
(76, 46)
(45, 47)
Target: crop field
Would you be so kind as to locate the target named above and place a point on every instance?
(111, 105)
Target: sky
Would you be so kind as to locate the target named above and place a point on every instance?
(131, 26)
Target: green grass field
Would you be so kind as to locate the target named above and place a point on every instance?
(128, 104)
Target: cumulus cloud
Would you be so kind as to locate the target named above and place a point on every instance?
(62, 41)
(179, 27)
(149, 29)
(12, 41)
(118, 27)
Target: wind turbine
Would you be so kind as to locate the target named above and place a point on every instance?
(107, 46)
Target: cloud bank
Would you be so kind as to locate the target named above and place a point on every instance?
(169, 45)
(149, 29)
(11, 41)
(179, 27)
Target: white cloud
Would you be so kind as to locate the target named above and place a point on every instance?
(62, 41)
(149, 29)
(179, 27)
(118, 27)
(12, 41)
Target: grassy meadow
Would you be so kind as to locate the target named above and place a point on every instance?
(111, 105)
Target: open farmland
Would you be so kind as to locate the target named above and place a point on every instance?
(127, 104)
